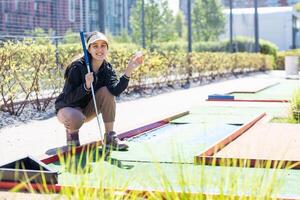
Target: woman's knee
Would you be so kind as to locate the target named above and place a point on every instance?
(72, 118)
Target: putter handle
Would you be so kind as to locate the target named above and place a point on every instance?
(86, 57)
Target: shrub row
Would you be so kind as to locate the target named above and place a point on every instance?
(31, 72)
(240, 44)
(27, 72)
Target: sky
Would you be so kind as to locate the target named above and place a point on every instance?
(174, 5)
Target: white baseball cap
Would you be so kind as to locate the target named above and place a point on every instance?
(95, 37)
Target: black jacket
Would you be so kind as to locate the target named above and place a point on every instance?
(74, 93)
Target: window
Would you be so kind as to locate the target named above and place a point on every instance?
(5, 17)
(94, 5)
(35, 6)
(17, 4)
(72, 10)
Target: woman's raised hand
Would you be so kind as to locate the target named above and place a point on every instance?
(136, 60)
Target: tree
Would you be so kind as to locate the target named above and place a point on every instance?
(159, 21)
(152, 21)
(123, 37)
(167, 26)
(208, 21)
(179, 24)
(198, 20)
(135, 22)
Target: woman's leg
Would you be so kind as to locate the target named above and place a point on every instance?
(106, 104)
(72, 119)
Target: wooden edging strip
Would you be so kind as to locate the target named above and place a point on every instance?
(127, 134)
(252, 100)
(70, 151)
(151, 126)
(251, 162)
(253, 92)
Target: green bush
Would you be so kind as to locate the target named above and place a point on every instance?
(169, 46)
(295, 105)
(219, 46)
(296, 100)
(240, 44)
(27, 71)
(130, 47)
(269, 48)
(30, 71)
(46, 84)
(67, 52)
(246, 44)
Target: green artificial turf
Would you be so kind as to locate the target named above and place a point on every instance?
(282, 91)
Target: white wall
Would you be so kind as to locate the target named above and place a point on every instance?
(275, 24)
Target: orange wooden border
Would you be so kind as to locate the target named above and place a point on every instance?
(252, 100)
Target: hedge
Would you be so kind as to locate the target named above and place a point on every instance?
(30, 72)
(240, 44)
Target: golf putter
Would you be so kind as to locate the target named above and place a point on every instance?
(86, 58)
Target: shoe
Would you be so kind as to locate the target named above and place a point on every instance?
(113, 142)
(73, 139)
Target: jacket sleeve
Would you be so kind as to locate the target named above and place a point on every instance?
(74, 89)
(116, 86)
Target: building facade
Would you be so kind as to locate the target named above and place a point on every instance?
(117, 14)
(278, 21)
(279, 25)
(244, 3)
(261, 3)
(19, 16)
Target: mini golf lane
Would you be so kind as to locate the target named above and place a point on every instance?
(227, 114)
(236, 110)
(234, 119)
(174, 143)
(282, 91)
(187, 136)
(163, 158)
(251, 85)
(149, 176)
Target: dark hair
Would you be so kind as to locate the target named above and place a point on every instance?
(79, 56)
(75, 59)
